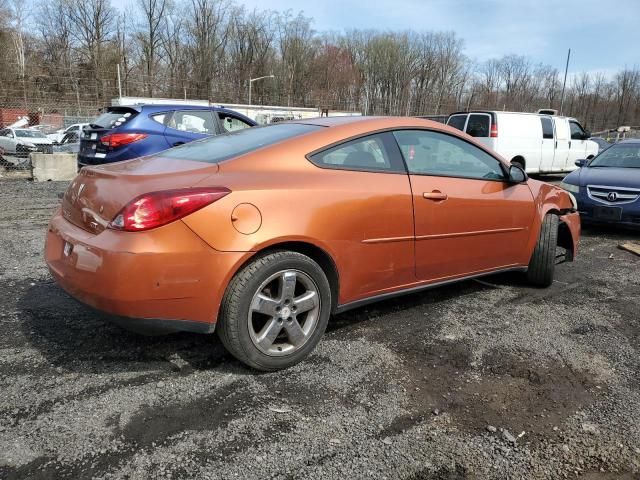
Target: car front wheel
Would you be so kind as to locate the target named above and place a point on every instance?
(543, 261)
(275, 310)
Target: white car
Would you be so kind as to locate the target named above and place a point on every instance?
(22, 141)
(537, 142)
(60, 134)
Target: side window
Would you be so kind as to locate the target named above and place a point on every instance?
(160, 118)
(577, 132)
(547, 127)
(4, 133)
(478, 125)
(457, 121)
(230, 123)
(193, 121)
(433, 153)
(367, 153)
(71, 137)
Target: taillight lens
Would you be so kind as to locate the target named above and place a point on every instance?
(155, 209)
(494, 130)
(115, 140)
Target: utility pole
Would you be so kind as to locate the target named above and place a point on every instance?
(564, 84)
(251, 80)
(119, 85)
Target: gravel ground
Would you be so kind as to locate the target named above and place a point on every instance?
(477, 380)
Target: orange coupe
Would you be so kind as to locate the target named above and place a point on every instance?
(265, 232)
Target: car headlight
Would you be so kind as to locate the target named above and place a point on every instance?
(569, 187)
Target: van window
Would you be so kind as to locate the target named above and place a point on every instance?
(547, 127)
(478, 125)
(457, 121)
(577, 132)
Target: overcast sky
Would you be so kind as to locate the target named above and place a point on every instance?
(603, 34)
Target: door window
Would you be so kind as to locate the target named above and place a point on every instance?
(231, 123)
(160, 118)
(366, 153)
(547, 127)
(193, 121)
(577, 132)
(457, 121)
(5, 133)
(478, 125)
(432, 153)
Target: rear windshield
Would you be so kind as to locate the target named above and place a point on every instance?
(113, 118)
(457, 121)
(478, 125)
(222, 147)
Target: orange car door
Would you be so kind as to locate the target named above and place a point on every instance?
(468, 218)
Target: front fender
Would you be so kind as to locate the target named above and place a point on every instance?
(551, 199)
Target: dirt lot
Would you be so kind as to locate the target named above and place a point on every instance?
(471, 381)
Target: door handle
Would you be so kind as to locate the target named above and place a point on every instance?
(177, 144)
(435, 195)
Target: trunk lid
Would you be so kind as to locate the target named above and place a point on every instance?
(98, 193)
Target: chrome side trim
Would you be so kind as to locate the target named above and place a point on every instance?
(385, 296)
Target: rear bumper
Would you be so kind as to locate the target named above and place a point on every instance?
(162, 280)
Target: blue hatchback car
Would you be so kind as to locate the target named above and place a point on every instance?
(607, 187)
(126, 132)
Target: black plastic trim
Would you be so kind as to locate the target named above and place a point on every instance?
(385, 296)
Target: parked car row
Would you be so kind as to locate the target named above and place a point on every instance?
(21, 142)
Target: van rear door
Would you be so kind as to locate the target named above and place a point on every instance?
(548, 149)
(561, 126)
(458, 121)
(479, 126)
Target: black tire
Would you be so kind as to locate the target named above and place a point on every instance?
(233, 325)
(543, 261)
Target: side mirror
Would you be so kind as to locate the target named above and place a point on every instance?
(582, 162)
(517, 174)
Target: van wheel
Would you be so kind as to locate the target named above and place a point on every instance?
(275, 310)
(519, 161)
(543, 261)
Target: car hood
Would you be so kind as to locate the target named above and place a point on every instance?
(609, 176)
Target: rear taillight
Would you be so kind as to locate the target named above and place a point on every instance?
(155, 209)
(494, 130)
(115, 140)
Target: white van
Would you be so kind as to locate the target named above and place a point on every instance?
(538, 142)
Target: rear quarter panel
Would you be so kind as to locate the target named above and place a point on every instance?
(335, 210)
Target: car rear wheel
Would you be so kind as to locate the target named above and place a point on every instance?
(275, 310)
(543, 261)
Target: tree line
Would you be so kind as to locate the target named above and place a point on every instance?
(65, 54)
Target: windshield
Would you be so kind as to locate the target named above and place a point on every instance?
(621, 156)
(30, 134)
(222, 147)
(113, 118)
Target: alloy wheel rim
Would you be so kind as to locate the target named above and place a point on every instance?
(284, 313)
